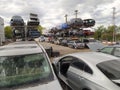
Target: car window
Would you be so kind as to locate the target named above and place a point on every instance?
(64, 64)
(117, 52)
(66, 59)
(71, 41)
(111, 69)
(78, 65)
(82, 66)
(107, 50)
(23, 69)
(78, 41)
(88, 69)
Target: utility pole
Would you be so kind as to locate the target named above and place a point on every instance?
(76, 12)
(66, 18)
(114, 31)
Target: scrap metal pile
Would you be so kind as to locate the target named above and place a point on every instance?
(22, 31)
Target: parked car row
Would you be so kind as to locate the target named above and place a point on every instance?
(77, 44)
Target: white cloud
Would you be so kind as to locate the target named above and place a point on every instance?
(52, 12)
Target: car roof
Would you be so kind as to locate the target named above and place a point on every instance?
(20, 48)
(93, 57)
(113, 46)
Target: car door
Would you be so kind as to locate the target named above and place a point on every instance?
(117, 52)
(87, 78)
(63, 65)
(74, 74)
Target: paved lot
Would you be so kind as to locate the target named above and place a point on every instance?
(62, 49)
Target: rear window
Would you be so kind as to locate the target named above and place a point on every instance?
(111, 69)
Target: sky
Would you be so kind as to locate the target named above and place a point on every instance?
(52, 13)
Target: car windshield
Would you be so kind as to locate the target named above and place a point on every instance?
(24, 69)
(78, 41)
(71, 41)
(111, 69)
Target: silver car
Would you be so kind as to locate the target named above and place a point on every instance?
(76, 44)
(26, 66)
(88, 71)
(112, 49)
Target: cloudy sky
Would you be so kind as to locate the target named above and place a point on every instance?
(52, 12)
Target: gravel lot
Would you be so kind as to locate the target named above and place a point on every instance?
(62, 49)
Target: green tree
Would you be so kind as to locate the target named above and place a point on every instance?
(118, 33)
(8, 32)
(98, 32)
(109, 33)
(40, 28)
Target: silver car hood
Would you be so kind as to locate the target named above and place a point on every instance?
(95, 46)
(54, 85)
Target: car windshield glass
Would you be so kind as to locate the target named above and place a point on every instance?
(71, 41)
(107, 50)
(78, 41)
(111, 69)
(117, 51)
(24, 69)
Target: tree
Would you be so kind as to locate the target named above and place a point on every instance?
(40, 28)
(98, 32)
(8, 32)
(109, 33)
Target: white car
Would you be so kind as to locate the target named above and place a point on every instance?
(76, 44)
(26, 66)
(88, 71)
(41, 38)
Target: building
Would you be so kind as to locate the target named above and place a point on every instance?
(2, 34)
